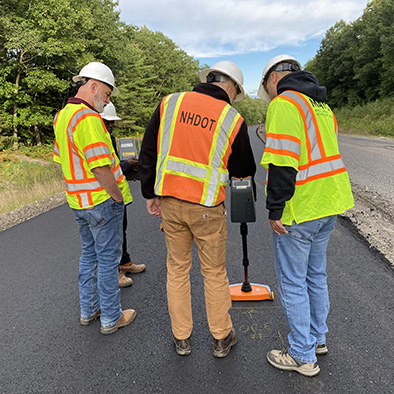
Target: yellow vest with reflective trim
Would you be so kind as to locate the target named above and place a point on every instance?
(82, 144)
(194, 143)
(302, 133)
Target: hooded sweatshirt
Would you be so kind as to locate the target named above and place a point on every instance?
(282, 180)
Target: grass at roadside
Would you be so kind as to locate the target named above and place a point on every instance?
(27, 176)
(375, 119)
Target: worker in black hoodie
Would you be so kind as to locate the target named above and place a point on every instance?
(126, 265)
(307, 187)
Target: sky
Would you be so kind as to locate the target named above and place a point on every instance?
(247, 32)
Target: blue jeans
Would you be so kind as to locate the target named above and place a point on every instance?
(101, 232)
(300, 263)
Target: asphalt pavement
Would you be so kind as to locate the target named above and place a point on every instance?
(44, 349)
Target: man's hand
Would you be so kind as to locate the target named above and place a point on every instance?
(106, 178)
(278, 227)
(153, 207)
(133, 163)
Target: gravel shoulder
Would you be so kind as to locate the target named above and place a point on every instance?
(372, 217)
(21, 214)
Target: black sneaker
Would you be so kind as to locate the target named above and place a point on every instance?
(182, 346)
(222, 347)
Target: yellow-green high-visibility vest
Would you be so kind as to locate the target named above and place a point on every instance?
(82, 143)
(302, 133)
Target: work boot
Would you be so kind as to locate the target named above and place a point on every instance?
(182, 346)
(90, 320)
(321, 349)
(281, 359)
(124, 281)
(132, 268)
(222, 347)
(128, 316)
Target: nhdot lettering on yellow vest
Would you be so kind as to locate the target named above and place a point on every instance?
(319, 104)
(196, 120)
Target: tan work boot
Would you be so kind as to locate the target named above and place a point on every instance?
(128, 316)
(222, 347)
(132, 268)
(88, 321)
(124, 281)
(281, 359)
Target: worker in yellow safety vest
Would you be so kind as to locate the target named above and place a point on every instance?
(97, 192)
(307, 187)
(193, 143)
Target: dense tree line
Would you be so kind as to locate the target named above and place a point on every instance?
(356, 60)
(43, 43)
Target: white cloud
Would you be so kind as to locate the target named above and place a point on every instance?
(215, 28)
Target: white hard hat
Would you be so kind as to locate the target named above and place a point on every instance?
(226, 67)
(99, 71)
(275, 60)
(109, 113)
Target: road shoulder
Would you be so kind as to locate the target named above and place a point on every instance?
(373, 217)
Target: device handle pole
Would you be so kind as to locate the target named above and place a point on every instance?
(246, 287)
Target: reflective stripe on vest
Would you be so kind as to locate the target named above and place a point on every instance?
(56, 150)
(214, 176)
(284, 144)
(319, 165)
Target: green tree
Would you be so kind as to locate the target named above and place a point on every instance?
(172, 69)
(45, 42)
(152, 67)
(333, 64)
(356, 61)
(136, 100)
(252, 110)
(381, 20)
(367, 59)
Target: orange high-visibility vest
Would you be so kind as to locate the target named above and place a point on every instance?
(194, 144)
(82, 144)
(302, 133)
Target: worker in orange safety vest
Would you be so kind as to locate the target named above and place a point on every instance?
(193, 143)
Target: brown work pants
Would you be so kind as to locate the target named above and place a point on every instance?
(182, 222)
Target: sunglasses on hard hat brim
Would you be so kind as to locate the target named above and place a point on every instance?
(282, 67)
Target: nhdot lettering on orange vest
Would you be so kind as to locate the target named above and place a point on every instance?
(196, 120)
